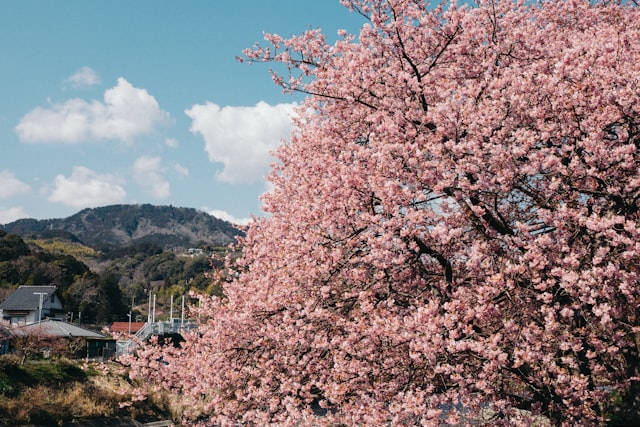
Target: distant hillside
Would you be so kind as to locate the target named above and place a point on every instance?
(125, 225)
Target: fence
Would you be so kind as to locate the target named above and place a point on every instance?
(148, 330)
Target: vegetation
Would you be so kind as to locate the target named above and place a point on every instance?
(52, 392)
(63, 247)
(11, 246)
(24, 265)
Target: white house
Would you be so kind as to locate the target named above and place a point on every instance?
(30, 304)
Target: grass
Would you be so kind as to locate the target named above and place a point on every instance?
(53, 392)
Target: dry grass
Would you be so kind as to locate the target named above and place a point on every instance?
(97, 395)
(45, 405)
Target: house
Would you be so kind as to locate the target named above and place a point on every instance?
(94, 344)
(125, 327)
(58, 329)
(30, 304)
(195, 252)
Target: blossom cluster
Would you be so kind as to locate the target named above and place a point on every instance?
(453, 231)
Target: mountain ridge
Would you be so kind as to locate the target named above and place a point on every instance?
(129, 224)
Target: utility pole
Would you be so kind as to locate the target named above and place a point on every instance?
(42, 294)
(171, 312)
(149, 309)
(182, 313)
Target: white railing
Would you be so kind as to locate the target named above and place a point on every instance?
(149, 329)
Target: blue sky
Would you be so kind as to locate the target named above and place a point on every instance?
(108, 102)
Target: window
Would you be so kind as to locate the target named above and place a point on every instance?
(18, 320)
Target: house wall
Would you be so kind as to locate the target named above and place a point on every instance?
(32, 317)
(20, 319)
(50, 305)
(51, 308)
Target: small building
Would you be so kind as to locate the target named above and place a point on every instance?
(57, 328)
(30, 304)
(195, 252)
(95, 343)
(123, 327)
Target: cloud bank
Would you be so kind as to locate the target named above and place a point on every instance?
(225, 216)
(10, 185)
(241, 138)
(12, 214)
(124, 113)
(86, 189)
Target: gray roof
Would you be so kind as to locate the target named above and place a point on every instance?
(26, 298)
(57, 328)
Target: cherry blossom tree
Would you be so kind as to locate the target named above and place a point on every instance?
(453, 230)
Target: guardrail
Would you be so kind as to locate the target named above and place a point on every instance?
(149, 329)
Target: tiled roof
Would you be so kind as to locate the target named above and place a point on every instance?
(26, 298)
(57, 328)
(124, 327)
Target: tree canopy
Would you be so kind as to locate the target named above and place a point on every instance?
(453, 229)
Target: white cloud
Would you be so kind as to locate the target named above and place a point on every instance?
(225, 216)
(10, 185)
(181, 170)
(84, 77)
(242, 138)
(85, 188)
(171, 142)
(147, 173)
(12, 214)
(125, 113)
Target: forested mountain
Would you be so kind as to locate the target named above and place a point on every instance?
(121, 225)
(103, 260)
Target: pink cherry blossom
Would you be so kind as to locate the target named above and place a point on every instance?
(453, 232)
